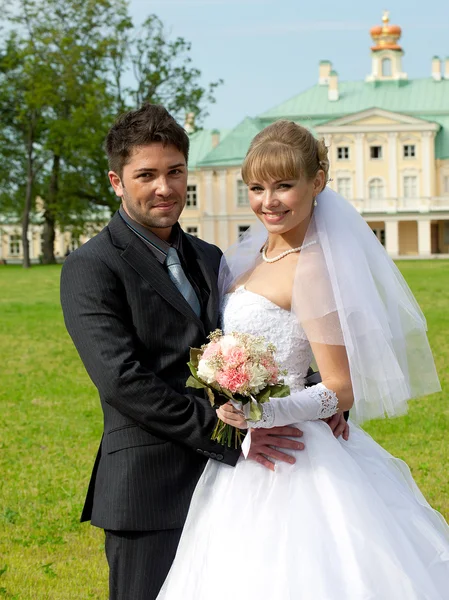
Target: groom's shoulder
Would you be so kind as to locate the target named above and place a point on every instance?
(209, 249)
(95, 254)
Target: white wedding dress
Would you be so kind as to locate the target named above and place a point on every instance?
(346, 522)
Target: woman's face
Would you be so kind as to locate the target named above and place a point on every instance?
(283, 205)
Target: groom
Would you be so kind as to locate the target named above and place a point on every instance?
(135, 299)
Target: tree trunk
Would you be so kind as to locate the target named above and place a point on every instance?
(26, 222)
(28, 199)
(49, 214)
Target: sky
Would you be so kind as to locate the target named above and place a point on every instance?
(267, 51)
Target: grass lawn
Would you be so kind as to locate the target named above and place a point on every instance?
(50, 423)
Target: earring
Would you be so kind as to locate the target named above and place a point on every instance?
(315, 203)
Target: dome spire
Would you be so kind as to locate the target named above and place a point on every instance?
(386, 36)
(386, 53)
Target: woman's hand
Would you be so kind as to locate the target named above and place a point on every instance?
(231, 416)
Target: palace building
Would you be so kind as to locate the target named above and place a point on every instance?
(388, 139)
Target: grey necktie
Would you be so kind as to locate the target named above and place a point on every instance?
(179, 278)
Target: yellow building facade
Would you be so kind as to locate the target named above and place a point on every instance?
(388, 141)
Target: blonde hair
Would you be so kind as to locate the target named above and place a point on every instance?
(283, 151)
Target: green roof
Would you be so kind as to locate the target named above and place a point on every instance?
(422, 98)
(201, 144)
(413, 97)
(232, 150)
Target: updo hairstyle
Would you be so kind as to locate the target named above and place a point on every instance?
(285, 151)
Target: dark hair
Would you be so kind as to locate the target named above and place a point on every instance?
(148, 124)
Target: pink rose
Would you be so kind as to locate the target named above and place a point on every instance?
(212, 349)
(233, 379)
(236, 356)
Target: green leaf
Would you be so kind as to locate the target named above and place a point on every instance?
(255, 412)
(279, 391)
(211, 396)
(193, 382)
(195, 355)
(273, 391)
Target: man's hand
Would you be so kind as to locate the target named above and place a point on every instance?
(265, 444)
(338, 425)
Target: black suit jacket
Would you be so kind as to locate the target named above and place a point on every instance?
(133, 329)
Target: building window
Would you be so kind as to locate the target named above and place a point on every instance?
(410, 186)
(192, 231)
(191, 201)
(15, 245)
(376, 189)
(242, 193)
(343, 152)
(380, 234)
(242, 229)
(386, 67)
(344, 187)
(446, 185)
(375, 152)
(409, 151)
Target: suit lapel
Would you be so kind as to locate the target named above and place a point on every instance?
(212, 309)
(141, 259)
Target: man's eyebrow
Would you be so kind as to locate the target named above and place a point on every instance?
(146, 169)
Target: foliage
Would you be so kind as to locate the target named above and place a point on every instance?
(64, 68)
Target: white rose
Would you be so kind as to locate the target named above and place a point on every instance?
(228, 342)
(259, 377)
(205, 371)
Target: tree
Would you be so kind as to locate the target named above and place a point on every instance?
(79, 54)
(22, 106)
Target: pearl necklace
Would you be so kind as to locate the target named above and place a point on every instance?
(272, 260)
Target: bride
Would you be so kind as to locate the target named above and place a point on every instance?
(346, 521)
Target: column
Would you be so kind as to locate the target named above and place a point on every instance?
(209, 193)
(208, 230)
(426, 156)
(359, 160)
(223, 238)
(392, 238)
(393, 165)
(424, 238)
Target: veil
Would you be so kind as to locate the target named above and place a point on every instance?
(348, 291)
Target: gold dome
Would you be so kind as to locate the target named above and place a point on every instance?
(386, 36)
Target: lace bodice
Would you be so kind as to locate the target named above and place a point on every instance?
(248, 312)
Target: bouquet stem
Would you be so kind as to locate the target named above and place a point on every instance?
(227, 435)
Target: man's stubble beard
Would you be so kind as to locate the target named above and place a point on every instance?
(142, 218)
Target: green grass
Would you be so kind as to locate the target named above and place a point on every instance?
(50, 423)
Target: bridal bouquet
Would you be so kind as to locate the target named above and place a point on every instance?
(237, 367)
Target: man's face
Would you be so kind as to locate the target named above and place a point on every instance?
(153, 187)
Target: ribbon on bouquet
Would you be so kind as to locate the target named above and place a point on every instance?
(246, 408)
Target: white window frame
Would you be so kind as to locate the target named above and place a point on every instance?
(411, 148)
(386, 61)
(345, 150)
(192, 196)
(239, 226)
(195, 229)
(242, 198)
(15, 244)
(410, 186)
(381, 152)
(445, 184)
(370, 182)
(346, 177)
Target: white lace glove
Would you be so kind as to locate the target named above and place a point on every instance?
(310, 404)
